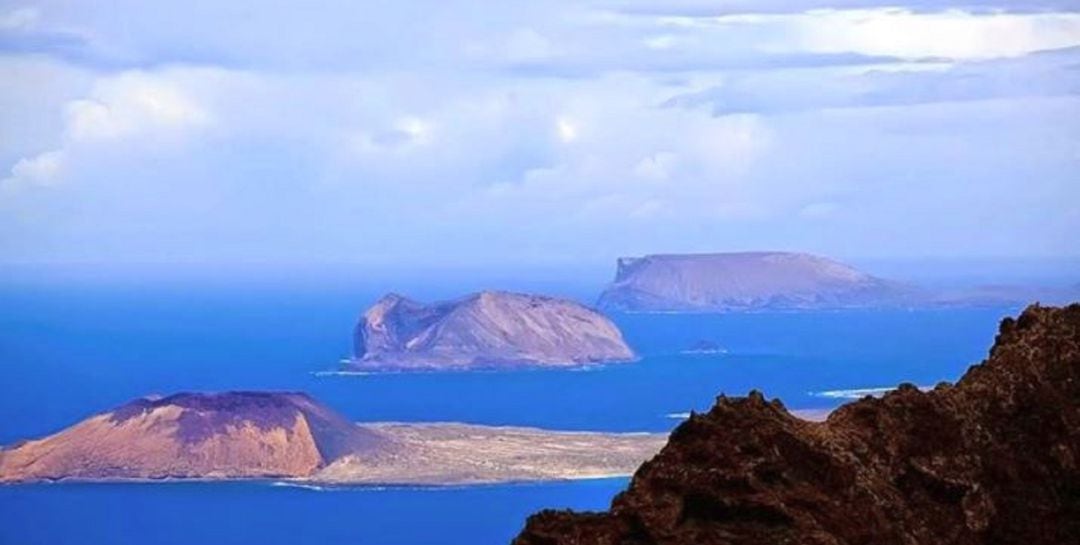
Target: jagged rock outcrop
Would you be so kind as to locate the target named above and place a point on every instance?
(747, 281)
(487, 329)
(227, 435)
(994, 459)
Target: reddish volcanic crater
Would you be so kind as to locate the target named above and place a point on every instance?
(205, 415)
(197, 435)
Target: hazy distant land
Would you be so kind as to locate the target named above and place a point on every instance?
(745, 281)
(788, 281)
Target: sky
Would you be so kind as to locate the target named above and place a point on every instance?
(510, 133)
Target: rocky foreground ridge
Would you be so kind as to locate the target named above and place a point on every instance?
(994, 459)
(489, 329)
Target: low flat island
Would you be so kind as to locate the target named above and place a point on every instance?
(454, 453)
(290, 436)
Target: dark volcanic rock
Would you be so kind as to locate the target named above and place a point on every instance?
(747, 281)
(994, 459)
(487, 329)
(205, 415)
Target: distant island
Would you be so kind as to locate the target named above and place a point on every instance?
(747, 281)
(991, 459)
(290, 436)
(490, 329)
(790, 281)
(705, 346)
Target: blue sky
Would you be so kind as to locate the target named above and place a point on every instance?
(512, 133)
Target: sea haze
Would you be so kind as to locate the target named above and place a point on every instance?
(69, 352)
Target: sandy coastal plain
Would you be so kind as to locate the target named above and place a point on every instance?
(455, 453)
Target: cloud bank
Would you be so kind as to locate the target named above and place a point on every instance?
(440, 132)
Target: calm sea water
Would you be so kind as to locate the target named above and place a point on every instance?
(67, 353)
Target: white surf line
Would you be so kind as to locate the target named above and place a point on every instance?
(299, 484)
(859, 393)
(678, 416)
(343, 373)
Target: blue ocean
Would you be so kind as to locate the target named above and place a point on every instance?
(68, 352)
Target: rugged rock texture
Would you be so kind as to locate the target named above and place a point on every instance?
(745, 282)
(487, 329)
(994, 459)
(228, 435)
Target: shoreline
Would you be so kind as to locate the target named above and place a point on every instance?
(357, 367)
(312, 483)
(435, 454)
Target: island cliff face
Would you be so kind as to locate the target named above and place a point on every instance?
(228, 435)
(994, 459)
(487, 329)
(745, 282)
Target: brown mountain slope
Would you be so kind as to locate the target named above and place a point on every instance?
(227, 435)
(994, 459)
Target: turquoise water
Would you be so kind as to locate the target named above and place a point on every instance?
(67, 353)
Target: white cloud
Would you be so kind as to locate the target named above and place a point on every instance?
(32, 101)
(1045, 74)
(892, 32)
(132, 105)
(560, 38)
(951, 34)
(419, 131)
(566, 129)
(613, 175)
(533, 129)
(41, 170)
